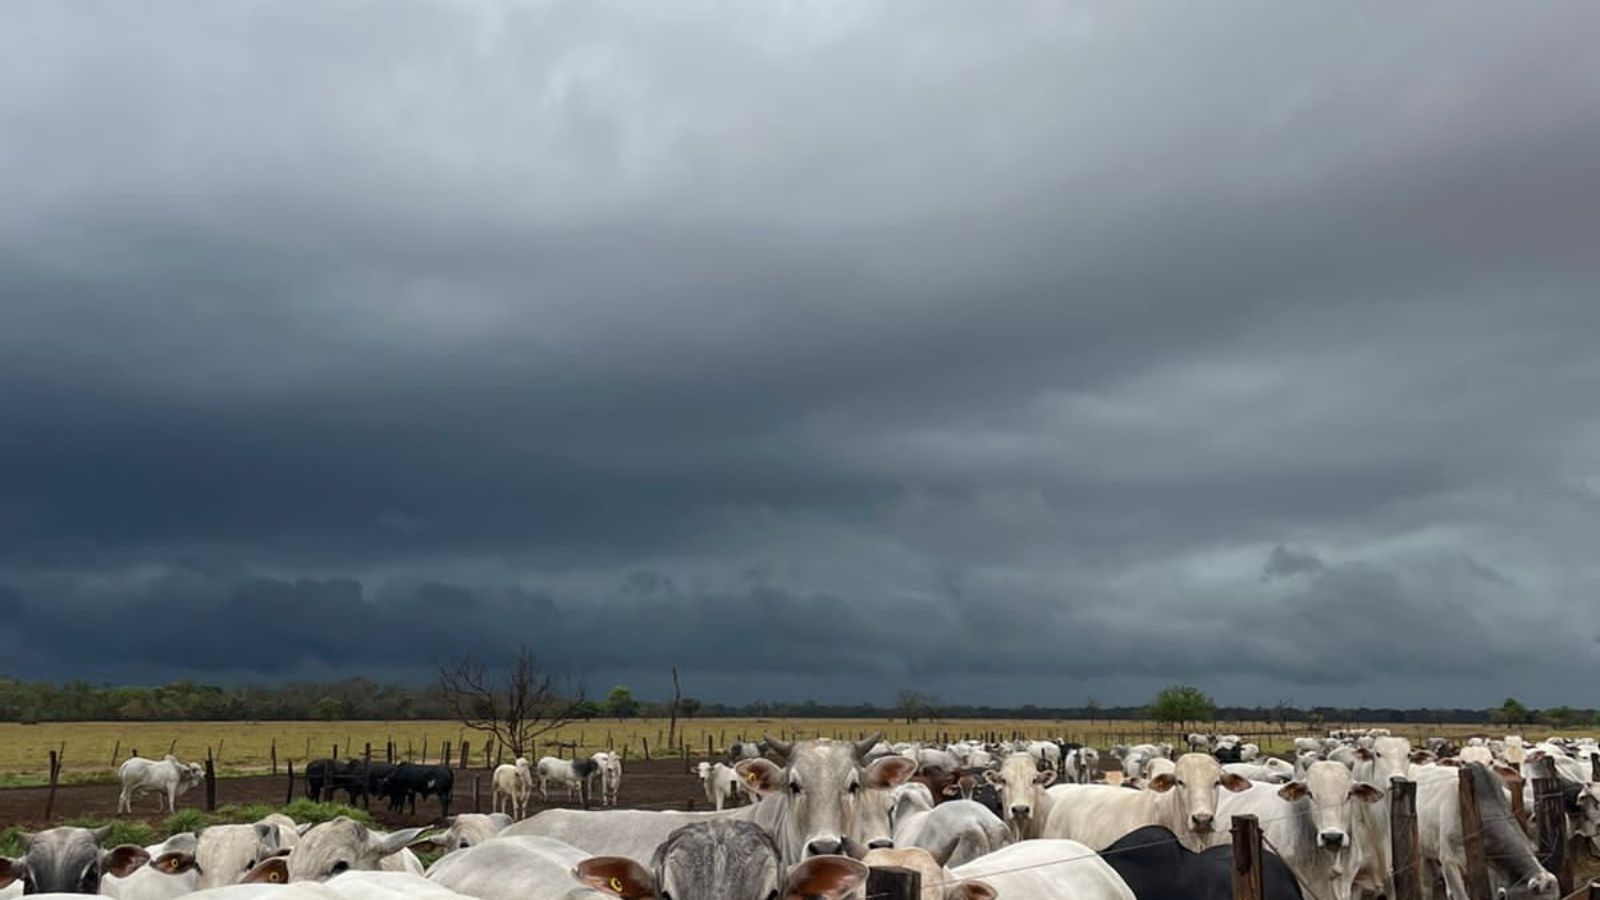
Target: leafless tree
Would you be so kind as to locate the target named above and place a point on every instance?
(514, 705)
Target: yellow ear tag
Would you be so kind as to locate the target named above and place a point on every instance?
(616, 886)
(750, 776)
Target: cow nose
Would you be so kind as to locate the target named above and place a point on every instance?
(1021, 811)
(824, 847)
(1201, 821)
(1332, 838)
(880, 844)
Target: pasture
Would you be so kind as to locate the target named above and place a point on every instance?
(92, 750)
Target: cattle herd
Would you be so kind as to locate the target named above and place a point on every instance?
(1027, 820)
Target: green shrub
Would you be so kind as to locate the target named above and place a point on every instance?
(122, 832)
(11, 843)
(185, 820)
(309, 811)
(244, 812)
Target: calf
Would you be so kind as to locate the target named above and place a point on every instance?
(513, 787)
(574, 773)
(1024, 803)
(720, 783)
(609, 773)
(168, 778)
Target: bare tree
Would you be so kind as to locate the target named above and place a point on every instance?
(515, 705)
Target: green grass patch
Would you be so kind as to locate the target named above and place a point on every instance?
(11, 843)
(122, 832)
(244, 813)
(185, 820)
(304, 811)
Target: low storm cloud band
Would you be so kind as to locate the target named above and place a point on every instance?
(1018, 354)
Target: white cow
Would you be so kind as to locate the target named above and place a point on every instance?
(1264, 773)
(1153, 769)
(814, 805)
(1024, 803)
(1046, 754)
(1047, 870)
(155, 881)
(513, 787)
(1508, 850)
(338, 846)
(1184, 802)
(720, 782)
(167, 777)
(960, 830)
(1312, 825)
(469, 830)
(609, 773)
(515, 868)
(573, 773)
(938, 882)
(226, 854)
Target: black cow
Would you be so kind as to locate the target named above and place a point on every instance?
(319, 774)
(409, 780)
(1228, 754)
(1157, 867)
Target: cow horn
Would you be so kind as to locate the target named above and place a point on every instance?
(864, 746)
(782, 748)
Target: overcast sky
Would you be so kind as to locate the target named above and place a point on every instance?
(1022, 352)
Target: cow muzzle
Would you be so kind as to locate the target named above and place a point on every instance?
(880, 844)
(1201, 821)
(1333, 839)
(827, 846)
(1021, 811)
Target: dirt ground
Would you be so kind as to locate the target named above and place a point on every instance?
(657, 784)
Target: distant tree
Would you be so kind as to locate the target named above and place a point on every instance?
(1561, 718)
(1091, 708)
(328, 709)
(689, 706)
(587, 709)
(515, 705)
(1182, 704)
(620, 703)
(1512, 712)
(913, 705)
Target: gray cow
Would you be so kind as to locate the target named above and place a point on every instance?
(69, 860)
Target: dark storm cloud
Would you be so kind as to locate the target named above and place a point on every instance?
(905, 342)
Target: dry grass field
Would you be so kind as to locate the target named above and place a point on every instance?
(246, 747)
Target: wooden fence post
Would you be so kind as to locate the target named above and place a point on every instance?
(55, 774)
(211, 783)
(445, 759)
(1246, 858)
(646, 742)
(893, 883)
(1477, 874)
(366, 776)
(477, 805)
(274, 754)
(289, 798)
(466, 753)
(1405, 865)
(1550, 813)
(116, 752)
(424, 749)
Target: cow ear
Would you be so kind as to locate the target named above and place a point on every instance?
(1421, 756)
(123, 859)
(1366, 793)
(891, 771)
(951, 790)
(173, 863)
(11, 870)
(616, 875)
(825, 878)
(1293, 791)
(268, 871)
(1046, 777)
(760, 776)
(1364, 754)
(1235, 782)
(395, 841)
(971, 890)
(993, 777)
(1452, 762)
(1162, 783)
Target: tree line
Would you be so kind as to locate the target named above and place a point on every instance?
(364, 699)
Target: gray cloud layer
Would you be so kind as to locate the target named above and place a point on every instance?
(1027, 354)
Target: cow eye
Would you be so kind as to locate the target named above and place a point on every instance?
(338, 867)
(855, 787)
(794, 787)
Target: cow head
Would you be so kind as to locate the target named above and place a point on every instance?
(330, 849)
(69, 861)
(224, 854)
(1585, 818)
(1019, 782)
(722, 859)
(1332, 794)
(1193, 787)
(823, 783)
